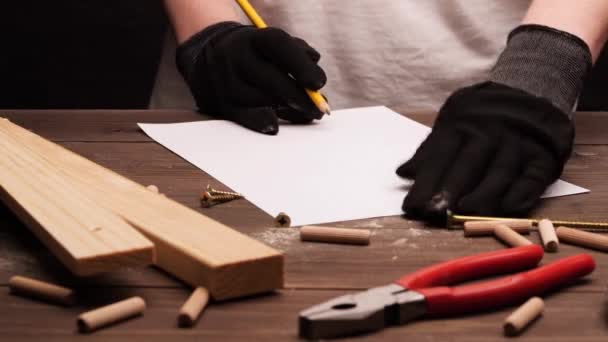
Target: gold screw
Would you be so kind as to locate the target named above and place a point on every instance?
(232, 195)
(454, 221)
(208, 200)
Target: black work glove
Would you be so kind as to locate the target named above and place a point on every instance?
(251, 76)
(496, 146)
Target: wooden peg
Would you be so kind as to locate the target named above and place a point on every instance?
(95, 319)
(282, 220)
(481, 228)
(547, 235)
(523, 316)
(153, 188)
(582, 238)
(335, 235)
(41, 290)
(510, 237)
(193, 307)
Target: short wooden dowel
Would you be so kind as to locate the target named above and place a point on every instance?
(335, 235)
(482, 228)
(510, 237)
(524, 315)
(41, 290)
(153, 188)
(113, 313)
(582, 238)
(548, 235)
(193, 307)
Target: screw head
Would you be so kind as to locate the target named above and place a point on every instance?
(206, 198)
(282, 220)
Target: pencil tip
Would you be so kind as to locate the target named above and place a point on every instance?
(327, 109)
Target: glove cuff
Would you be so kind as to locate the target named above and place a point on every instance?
(188, 52)
(545, 62)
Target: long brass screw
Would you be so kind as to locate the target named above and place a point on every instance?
(208, 200)
(454, 221)
(232, 195)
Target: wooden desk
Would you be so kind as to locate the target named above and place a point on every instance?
(314, 272)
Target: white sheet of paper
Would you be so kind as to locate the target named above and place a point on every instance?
(340, 168)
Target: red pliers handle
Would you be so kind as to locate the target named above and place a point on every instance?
(442, 300)
(474, 267)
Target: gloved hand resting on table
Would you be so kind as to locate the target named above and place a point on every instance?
(496, 146)
(241, 73)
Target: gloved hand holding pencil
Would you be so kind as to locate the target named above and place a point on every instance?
(251, 76)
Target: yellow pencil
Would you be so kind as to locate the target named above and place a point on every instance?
(255, 18)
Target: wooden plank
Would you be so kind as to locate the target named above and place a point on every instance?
(88, 239)
(194, 248)
(121, 125)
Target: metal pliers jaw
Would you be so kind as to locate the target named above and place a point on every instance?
(361, 312)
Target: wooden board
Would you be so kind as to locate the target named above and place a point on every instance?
(87, 238)
(194, 248)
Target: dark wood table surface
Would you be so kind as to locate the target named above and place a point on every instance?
(314, 272)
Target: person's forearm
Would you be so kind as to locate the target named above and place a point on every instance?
(190, 16)
(586, 19)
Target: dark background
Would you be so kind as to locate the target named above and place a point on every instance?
(79, 53)
(105, 53)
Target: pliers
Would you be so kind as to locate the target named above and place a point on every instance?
(426, 292)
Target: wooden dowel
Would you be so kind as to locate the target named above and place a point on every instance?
(548, 236)
(282, 220)
(109, 314)
(582, 238)
(193, 307)
(153, 188)
(335, 235)
(481, 228)
(41, 290)
(523, 316)
(510, 237)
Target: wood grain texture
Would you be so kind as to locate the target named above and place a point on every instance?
(194, 248)
(23, 320)
(314, 272)
(95, 125)
(121, 125)
(87, 238)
